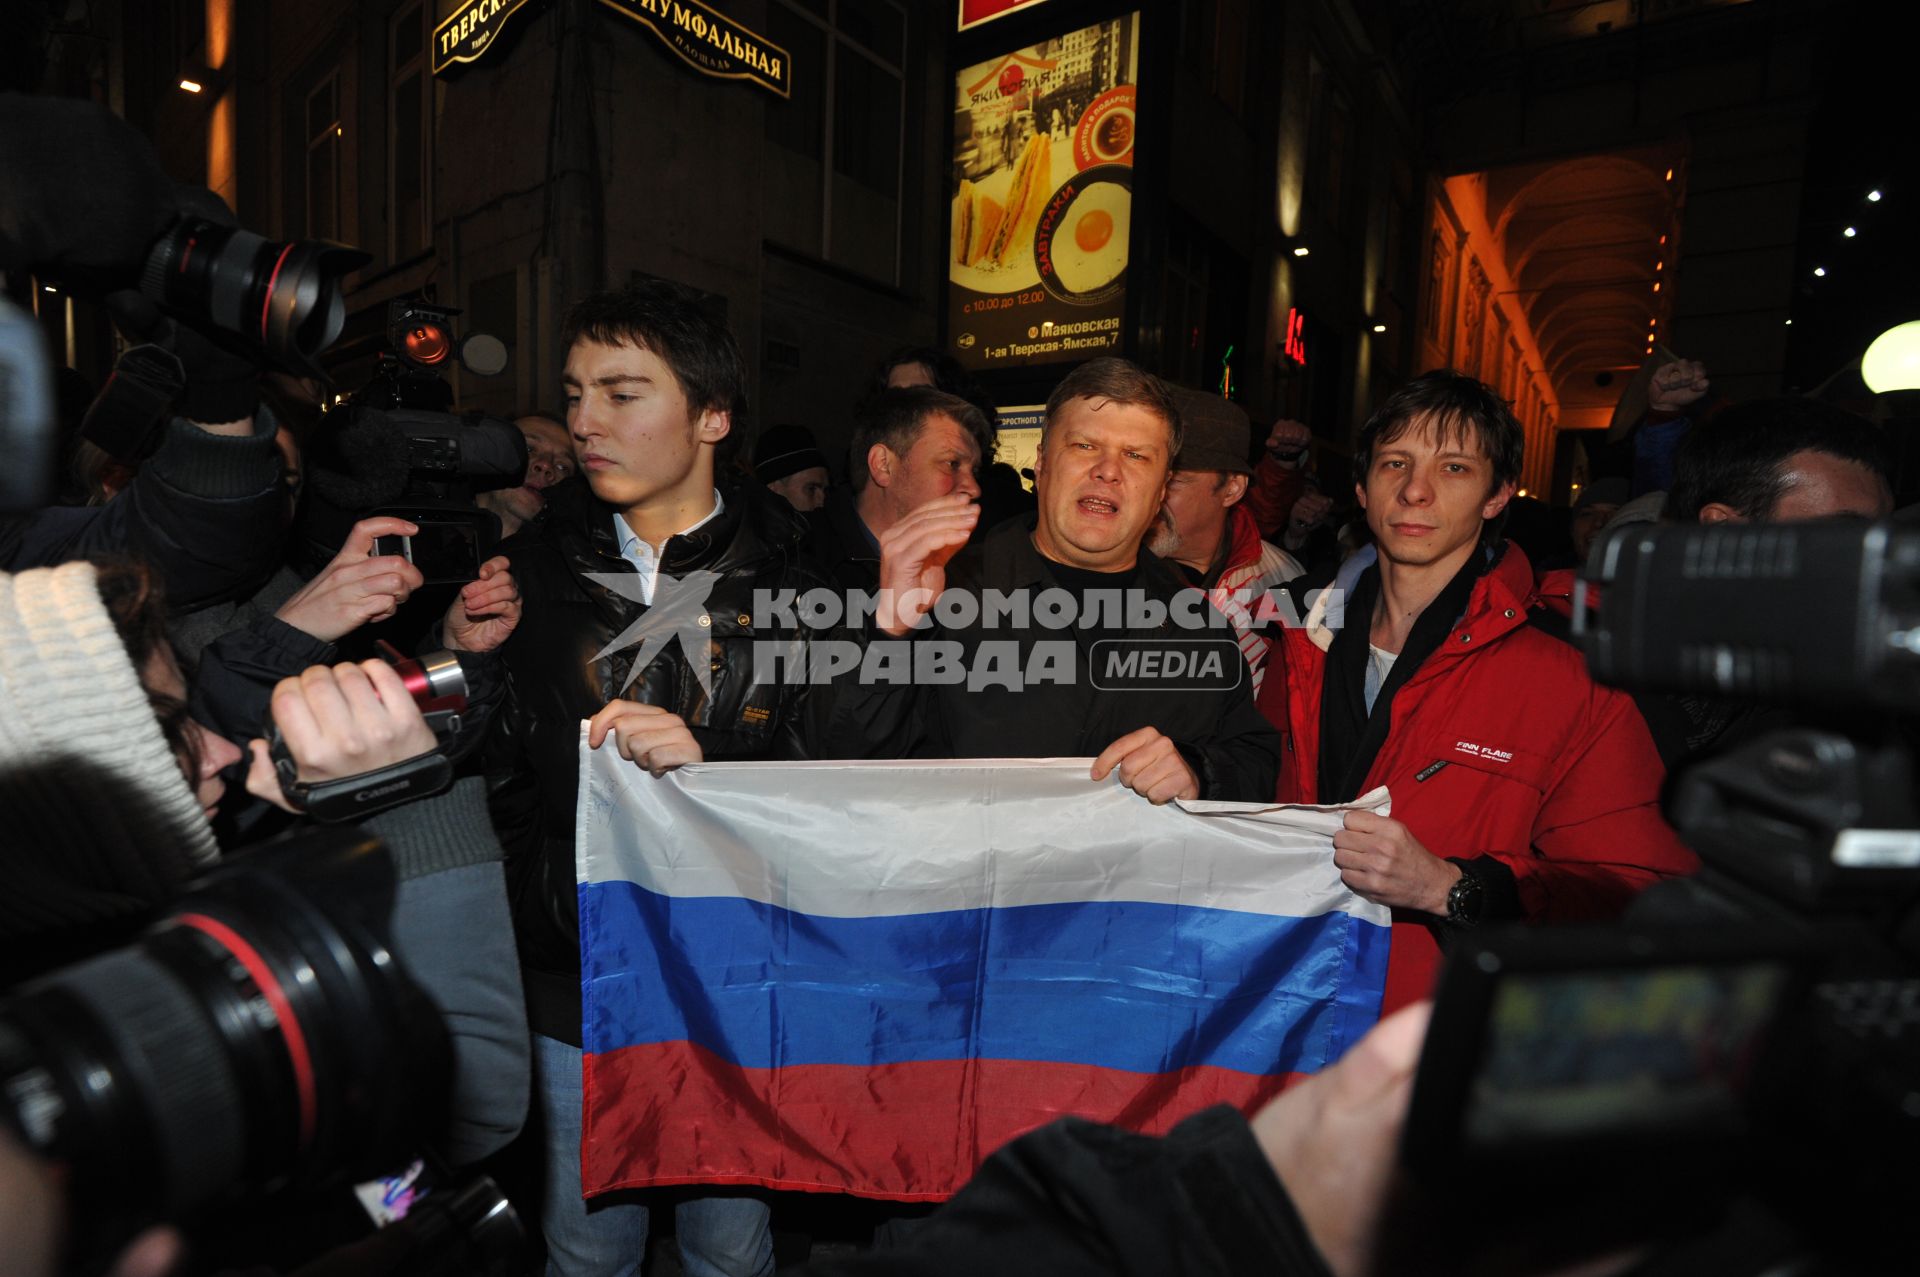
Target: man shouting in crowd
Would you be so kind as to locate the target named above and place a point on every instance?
(1059, 671)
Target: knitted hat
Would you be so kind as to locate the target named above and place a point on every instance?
(785, 450)
(1218, 434)
(1611, 490)
(97, 814)
(1644, 508)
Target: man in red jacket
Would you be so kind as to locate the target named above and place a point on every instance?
(1521, 789)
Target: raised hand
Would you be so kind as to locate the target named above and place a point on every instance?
(356, 587)
(1287, 441)
(1676, 385)
(913, 560)
(485, 611)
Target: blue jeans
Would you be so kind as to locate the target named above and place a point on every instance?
(719, 1236)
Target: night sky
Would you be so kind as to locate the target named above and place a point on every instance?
(1861, 140)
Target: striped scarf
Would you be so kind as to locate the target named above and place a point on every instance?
(1252, 566)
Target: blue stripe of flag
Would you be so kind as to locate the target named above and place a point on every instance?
(1124, 985)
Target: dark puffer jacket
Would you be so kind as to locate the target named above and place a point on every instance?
(556, 678)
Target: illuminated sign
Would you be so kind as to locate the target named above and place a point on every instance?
(468, 32)
(711, 44)
(1041, 223)
(974, 12)
(1296, 342)
(1016, 438)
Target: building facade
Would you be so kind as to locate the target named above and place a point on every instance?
(1330, 196)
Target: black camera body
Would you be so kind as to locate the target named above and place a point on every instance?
(438, 686)
(1750, 1034)
(280, 303)
(447, 457)
(260, 1038)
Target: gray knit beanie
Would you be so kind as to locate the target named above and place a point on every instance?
(95, 813)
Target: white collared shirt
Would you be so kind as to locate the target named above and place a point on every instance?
(643, 556)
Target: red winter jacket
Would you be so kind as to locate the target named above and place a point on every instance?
(1546, 771)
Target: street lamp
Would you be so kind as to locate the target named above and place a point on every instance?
(1892, 362)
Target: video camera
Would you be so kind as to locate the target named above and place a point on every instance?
(1752, 1034)
(260, 1040)
(401, 445)
(439, 687)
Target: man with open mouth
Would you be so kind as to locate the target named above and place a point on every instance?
(549, 461)
(1091, 650)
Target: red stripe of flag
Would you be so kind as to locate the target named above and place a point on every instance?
(872, 1131)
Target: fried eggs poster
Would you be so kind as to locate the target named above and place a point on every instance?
(1042, 209)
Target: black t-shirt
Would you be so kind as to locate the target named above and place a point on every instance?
(1092, 621)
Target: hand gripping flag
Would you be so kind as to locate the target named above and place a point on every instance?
(865, 977)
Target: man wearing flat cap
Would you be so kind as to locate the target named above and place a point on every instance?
(790, 463)
(1205, 533)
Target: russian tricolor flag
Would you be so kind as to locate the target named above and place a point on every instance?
(865, 977)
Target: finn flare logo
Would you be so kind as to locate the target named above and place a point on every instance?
(1487, 752)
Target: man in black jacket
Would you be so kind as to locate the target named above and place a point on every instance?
(1062, 635)
(653, 390)
(910, 445)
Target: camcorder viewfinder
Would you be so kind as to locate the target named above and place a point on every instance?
(1601, 1061)
(1823, 615)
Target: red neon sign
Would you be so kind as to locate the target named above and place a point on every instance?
(1296, 342)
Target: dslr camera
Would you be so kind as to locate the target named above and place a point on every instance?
(259, 1042)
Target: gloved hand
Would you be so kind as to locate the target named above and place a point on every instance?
(222, 375)
(223, 372)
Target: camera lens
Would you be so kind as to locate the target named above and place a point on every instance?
(260, 1037)
(284, 296)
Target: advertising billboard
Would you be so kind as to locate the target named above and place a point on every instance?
(1042, 208)
(974, 12)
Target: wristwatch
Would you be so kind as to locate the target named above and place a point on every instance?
(1465, 901)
